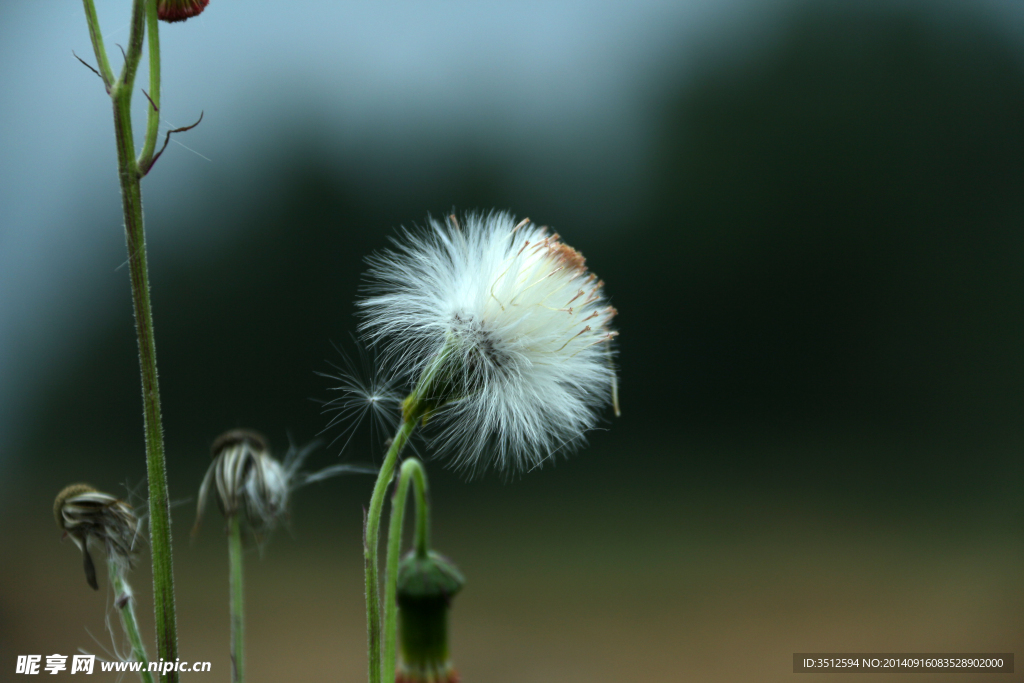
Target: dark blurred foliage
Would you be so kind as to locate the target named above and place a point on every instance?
(838, 234)
(829, 252)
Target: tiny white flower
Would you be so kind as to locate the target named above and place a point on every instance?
(504, 330)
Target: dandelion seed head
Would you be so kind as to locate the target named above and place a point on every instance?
(524, 327)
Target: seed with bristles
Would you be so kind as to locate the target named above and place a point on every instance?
(84, 513)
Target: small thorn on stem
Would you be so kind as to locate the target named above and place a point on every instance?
(87, 65)
(122, 51)
(155, 108)
(168, 139)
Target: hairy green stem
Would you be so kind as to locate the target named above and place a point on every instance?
(370, 536)
(135, 237)
(125, 602)
(136, 36)
(145, 161)
(97, 44)
(237, 599)
(412, 469)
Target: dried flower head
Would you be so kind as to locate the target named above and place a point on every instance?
(84, 513)
(503, 329)
(250, 480)
(179, 10)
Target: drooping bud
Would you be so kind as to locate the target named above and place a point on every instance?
(179, 10)
(426, 586)
(248, 479)
(84, 513)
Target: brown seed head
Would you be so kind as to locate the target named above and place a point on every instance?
(68, 492)
(238, 437)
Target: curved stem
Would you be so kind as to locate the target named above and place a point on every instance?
(370, 536)
(237, 600)
(125, 603)
(145, 160)
(411, 469)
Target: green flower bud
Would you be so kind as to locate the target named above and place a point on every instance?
(426, 586)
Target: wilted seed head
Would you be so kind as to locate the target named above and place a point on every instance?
(248, 479)
(179, 10)
(82, 513)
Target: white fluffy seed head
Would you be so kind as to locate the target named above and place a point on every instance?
(523, 328)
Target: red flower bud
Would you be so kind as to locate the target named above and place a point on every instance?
(179, 10)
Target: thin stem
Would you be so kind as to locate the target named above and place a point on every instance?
(145, 160)
(136, 34)
(135, 237)
(411, 469)
(370, 537)
(156, 466)
(97, 44)
(125, 603)
(237, 600)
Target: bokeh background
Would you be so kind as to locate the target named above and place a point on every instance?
(810, 216)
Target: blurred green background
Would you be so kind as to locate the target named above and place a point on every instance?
(809, 217)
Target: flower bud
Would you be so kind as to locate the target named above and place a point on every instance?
(82, 513)
(179, 10)
(426, 586)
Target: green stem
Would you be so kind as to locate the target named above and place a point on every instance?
(371, 533)
(125, 602)
(237, 600)
(411, 469)
(145, 160)
(135, 236)
(97, 44)
(136, 35)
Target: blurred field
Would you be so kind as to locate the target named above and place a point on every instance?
(811, 220)
(703, 584)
